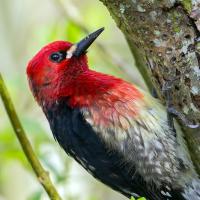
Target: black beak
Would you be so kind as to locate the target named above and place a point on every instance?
(84, 44)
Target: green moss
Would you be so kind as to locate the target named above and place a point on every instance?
(187, 4)
(176, 18)
(177, 29)
(141, 198)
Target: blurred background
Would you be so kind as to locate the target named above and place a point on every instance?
(25, 26)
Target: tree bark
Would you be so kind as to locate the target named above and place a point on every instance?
(165, 35)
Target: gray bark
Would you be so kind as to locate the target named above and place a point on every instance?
(165, 35)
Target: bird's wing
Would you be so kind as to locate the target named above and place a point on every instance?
(80, 141)
(137, 128)
(107, 163)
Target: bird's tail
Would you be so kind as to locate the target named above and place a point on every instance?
(192, 190)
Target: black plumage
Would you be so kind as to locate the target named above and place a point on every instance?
(79, 140)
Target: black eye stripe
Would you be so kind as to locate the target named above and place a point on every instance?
(58, 56)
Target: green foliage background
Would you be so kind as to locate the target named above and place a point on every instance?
(25, 27)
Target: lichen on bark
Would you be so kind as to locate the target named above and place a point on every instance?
(166, 32)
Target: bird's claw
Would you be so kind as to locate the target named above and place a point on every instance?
(173, 112)
(169, 84)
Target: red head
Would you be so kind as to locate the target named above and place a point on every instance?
(60, 69)
(50, 65)
(56, 66)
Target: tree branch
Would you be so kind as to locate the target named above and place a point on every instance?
(41, 173)
(164, 33)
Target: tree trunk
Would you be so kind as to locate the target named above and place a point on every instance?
(165, 35)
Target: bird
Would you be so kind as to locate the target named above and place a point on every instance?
(115, 130)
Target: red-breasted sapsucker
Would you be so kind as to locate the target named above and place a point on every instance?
(116, 131)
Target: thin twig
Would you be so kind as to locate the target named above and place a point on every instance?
(41, 173)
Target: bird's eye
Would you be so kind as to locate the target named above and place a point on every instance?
(58, 56)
